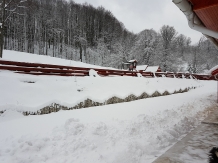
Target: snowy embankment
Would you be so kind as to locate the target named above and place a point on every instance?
(137, 131)
(32, 93)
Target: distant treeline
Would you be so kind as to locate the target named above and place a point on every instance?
(69, 30)
(57, 25)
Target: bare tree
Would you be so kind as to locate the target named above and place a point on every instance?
(145, 47)
(9, 7)
(198, 63)
(168, 34)
(181, 41)
(82, 44)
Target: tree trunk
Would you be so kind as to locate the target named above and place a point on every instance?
(81, 52)
(1, 42)
(2, 18)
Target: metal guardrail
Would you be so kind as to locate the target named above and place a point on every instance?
(59, 70)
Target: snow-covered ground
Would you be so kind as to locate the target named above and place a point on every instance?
(34, 58)
(31, 93)
(137, 131)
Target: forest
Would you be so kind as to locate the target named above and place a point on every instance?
(80, 32)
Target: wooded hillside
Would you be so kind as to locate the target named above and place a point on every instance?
(81, 32)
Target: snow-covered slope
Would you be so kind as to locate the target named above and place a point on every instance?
(35, 58)
(32, 93)
(137, 131)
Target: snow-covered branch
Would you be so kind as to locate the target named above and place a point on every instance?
(6, 5)
(14, 9)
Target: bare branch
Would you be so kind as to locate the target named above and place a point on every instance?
(10, 15)
(22, 7)
(15, 8)
(10, 10)
(8, 4)
(23, 1)
(18, 14)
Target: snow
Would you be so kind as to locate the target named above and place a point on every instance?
(139, 75)
(152, 69)
(141, 67)
(93, 73)
(133, 60)
(69, 91)
(137, 131)
(34, 58)
(126, 63)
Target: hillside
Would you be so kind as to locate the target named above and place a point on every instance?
(80, 32)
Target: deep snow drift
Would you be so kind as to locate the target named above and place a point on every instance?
(137, 131)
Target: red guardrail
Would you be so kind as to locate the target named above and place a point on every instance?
(215, 72)
(48, 69)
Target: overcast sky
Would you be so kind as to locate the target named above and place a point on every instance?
(137, 15)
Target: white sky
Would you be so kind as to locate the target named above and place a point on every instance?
(137, 15)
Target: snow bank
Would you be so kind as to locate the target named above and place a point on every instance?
(129, 132)
(23, 92)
